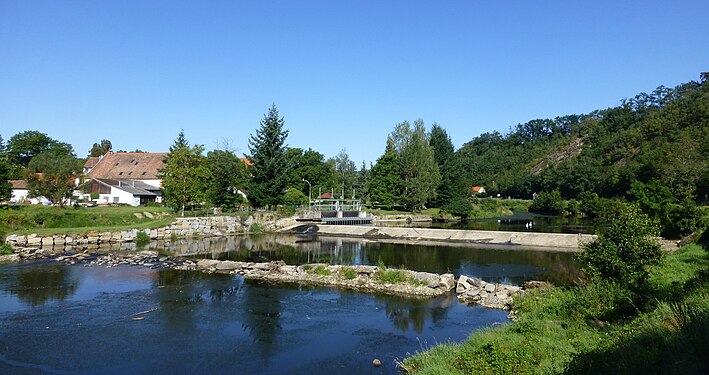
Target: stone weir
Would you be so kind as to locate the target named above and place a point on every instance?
(363, 278)
(531, 240)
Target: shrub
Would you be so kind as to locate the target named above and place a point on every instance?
(548, 202)
(624, 251)
(320, 271)
(142, 238)
(5, 249)
(348, 273)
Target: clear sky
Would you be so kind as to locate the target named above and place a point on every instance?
(342, 73)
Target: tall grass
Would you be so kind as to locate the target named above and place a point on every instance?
(594, 328)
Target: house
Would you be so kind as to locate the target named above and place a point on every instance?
(125, 177)
(131, 192)
(21, 193)
(477, 189)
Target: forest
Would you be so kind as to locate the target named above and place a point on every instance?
(652, 150)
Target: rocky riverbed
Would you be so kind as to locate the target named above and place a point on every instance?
(364, 278)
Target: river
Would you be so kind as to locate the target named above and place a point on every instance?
(76, 319)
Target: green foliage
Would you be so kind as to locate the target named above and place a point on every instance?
(549, 202)
(348, 273)
(460, 207)
(625, 251)
(142, 238)
(24, 146)
(309, 166)
(5, 249)
(270, 169)
(345, 174)
(227, 175)
(52, 176)
(256, 228)
(321, 271)
(595, 328)
(184, 175)
(99, 149)
(295, 197)
(385, 184)
(420, 175)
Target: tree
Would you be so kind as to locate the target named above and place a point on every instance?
(625, 251)
(5, 187)
(269, 171)
(227, 175)
(99, 149)
(419, 171)
(309, 166)
(52, 176)
(184, 175)
(385, 183)
(22, 147)
(345, 173)
(443, 153)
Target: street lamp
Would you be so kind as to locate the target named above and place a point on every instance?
(310, 192)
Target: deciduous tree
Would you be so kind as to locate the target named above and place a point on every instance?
(184, 175)
(52, 176)
(22, 147)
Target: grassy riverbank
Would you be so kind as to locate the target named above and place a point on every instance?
(54, 220)
(595, 328)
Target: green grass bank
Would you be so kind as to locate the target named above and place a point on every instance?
(46, 220)
(594, 328)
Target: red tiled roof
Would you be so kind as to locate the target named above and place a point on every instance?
(476, 189)
(326, 196)
(246, 161)
(91, 162)
(129, 165)
(18, 184)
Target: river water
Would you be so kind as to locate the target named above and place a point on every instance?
(76, 319)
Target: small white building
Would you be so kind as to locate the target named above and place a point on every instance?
(130, 192)
(125, 177)
(21, 194)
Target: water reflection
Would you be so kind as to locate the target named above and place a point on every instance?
(414, 313)
(37, 285)
(213, 323)
(509, 265)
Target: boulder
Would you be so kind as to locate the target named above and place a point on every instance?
(462, 284)
(447, 281)
(490, 287)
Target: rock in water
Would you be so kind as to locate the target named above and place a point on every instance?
(376, 362)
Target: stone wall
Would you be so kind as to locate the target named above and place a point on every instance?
(187, 227)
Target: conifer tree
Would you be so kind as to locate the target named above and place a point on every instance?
(268, 156)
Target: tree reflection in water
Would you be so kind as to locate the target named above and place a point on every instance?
(36, 285)
(262, 319)
(405, 312)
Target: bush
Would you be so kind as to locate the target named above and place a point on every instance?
(624, 251)
(348, 273)
(142, 238)
(5, 249)
(549, 202)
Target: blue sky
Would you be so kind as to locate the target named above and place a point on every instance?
(342, 73)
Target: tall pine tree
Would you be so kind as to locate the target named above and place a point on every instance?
(268, 156)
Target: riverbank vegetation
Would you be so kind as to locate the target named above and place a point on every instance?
(645, 315)
(37, 219)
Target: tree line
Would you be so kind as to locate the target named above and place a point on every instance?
(652, 149)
